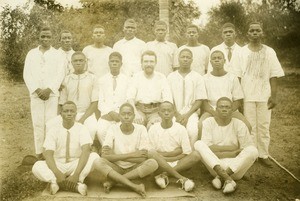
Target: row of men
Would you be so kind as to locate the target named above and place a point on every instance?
(130, 152)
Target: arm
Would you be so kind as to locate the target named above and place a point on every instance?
(236, 104)
(184, 118)
(272, 102)
(173, 153)
(174, 158)
(91, 109)
(208, 108)
(136, 156)
(228, 154)
(48, 154)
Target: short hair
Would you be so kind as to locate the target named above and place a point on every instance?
(255, 22)
(193, 26)
(217, 51)
(64, 31)
(115, 54)
(186, 50)
(126, 105)
(69, 103)
(97, 26)
(150, 53)
(228, 25)
(130, 20)
(167, 102)
(45, 28)
(160, 22)
(224, 99)
(78, 53)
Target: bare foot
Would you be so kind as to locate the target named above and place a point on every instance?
(107, 186)
(140, 189)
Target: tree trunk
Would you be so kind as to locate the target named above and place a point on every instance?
(164, 12)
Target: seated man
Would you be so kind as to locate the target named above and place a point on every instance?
(67, 154)
(171, 148)
(125, 148)
(226, 147)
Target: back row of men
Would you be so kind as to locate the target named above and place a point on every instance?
(92, 80)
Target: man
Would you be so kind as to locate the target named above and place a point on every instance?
(229, 47)
(131, 49)
(164, 50)
(171, 148)
(67, 154)
(258, 68)
(200, 51)
(125, 148)
(188, 92)
(148, 89)
(112, 94)
(66, 51)
(226, 147)
(97, 53)
(43, 74)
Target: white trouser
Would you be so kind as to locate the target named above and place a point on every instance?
(102, 128)
(259, 117)
(90, 123)
(41, 170)
(192, 128)
(41, 112)
(239, 165)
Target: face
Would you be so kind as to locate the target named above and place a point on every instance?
(148, 64)
(255, 32)
(185, 59)
(129, 30)
(160, 32)
(166, 111)
(69, 112)
(126, 115)
(217, 60)
(224, 109)
(192, 34)
(78, 62)
(115, 64)
(228, 35)
(66, 40)
(98, 35)
(45, 38)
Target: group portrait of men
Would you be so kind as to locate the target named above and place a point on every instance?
(138, 109)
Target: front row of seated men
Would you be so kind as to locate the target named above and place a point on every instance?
(130, 152)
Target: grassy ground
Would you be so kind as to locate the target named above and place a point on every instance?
(259, 184)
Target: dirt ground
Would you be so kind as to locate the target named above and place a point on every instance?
(260, 183)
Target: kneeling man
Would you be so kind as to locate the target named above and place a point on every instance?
(226, 147)
(67, 153)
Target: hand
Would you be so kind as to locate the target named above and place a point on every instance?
(140, 154)
(59, 176)
(114, 116)
(45, 94)
(272, 102)
(138, 119)
(71, 181)
(183, 119)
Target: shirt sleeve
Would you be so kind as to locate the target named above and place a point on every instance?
(144, 139)
(200, 93)
(49, 143)
(95, 91)
(109, 138)
(30, 81)
(151, 134)
(244, 137)
(166, 91)
(63, 94)
(237, 92)
(236, 64)
(207, 132)
(276, 69)
(60, 74)
(85, 137)
(185, 142)
(132, 88)
(206, 61)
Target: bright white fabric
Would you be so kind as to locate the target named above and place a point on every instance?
(124, 144)
(200, 57)
(235, 49)
(149, 90)
(165, 52)
(102, 127)
(56, 139)
(167, 140)
(227, 85)
(255, 70)
(131, 51)
(82, 89)
(97, 59)
(67, 58)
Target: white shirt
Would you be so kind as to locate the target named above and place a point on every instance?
(43, 70)
(109, 99)
(149, 90)
(235, 133)
(255, 70)
(97, 59)
(124, 144)
(67, 58)
(200, 57)
(82, 89)
(167, 140)
(227, 85)
(131, 51)
(165, 52)
(235, 49)
(186, 90)
(56, 139)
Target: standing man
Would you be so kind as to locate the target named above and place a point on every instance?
(97, 54)
(188, 92)
(148, 89)
(229, 47)
(259, 68)
(66, 51)
(164, 50)
(200, 51)
(43, 74)
(67, 154)
(112, 94)
(131, 49)
(226, 147)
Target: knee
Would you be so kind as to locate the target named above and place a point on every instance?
(252, 152)
(152, 164)
(199, 145)
(195, 156)
(38, 166)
